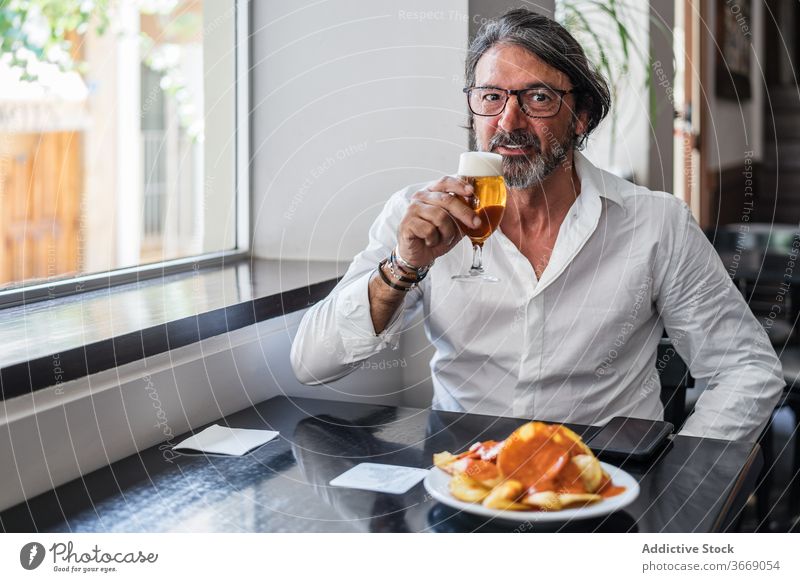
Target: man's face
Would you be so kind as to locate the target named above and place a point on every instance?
(531, 147)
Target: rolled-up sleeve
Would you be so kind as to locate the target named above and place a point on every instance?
(337, 333)
(716, 334)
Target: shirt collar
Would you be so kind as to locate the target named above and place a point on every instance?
(595, 181)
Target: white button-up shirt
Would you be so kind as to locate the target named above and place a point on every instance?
(579, 344)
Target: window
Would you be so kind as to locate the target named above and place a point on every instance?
(616, 40)
(118, 135)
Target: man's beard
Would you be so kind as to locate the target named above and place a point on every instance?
(524, 171)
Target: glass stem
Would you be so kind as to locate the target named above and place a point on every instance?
(477, 266)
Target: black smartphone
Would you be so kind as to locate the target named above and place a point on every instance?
(630, 438)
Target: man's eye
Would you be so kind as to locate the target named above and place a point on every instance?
(539, 97)
(491, 96)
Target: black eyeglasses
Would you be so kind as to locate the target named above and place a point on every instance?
(535, 102)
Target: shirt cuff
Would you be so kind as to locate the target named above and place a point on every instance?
(353, 319)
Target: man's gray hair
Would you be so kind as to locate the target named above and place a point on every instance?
(554, 45)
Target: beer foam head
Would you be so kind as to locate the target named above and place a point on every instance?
(477, 164)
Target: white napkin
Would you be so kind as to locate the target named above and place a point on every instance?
(227, 441)
(381, 478)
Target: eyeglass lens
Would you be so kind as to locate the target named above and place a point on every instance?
(538, 101)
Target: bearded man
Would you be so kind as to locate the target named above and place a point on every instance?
(592, 269)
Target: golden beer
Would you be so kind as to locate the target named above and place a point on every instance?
(489, 202)
(484, 170)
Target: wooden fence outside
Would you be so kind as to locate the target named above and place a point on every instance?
(41, 186)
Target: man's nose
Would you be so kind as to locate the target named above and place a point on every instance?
(512, 116)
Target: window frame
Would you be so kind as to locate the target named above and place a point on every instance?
(57, 287)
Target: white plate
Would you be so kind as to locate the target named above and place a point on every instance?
(437, 481)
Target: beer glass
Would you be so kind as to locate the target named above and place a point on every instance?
(484, 171)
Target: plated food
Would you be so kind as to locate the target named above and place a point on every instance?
(539, 467)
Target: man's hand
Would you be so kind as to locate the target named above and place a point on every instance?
(435, 221)
(433, 224)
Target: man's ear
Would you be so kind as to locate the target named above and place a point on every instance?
(582, 123)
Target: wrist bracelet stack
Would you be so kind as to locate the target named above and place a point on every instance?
(420, 272)
(400, 270)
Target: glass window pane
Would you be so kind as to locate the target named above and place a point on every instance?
(107, 156)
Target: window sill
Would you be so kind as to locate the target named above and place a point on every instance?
(51, 342)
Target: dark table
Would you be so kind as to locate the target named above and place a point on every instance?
(694, 485)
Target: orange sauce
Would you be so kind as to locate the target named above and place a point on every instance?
(608, 489)
(541, 463)
(481, 470)
(486, 450)
(537, 455)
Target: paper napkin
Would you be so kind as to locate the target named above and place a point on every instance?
(382, 478)
(224, 440)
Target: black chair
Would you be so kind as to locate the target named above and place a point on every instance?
(675, 379)
(790, 360)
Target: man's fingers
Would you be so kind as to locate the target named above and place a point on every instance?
(456, 206)
(448, 227)
(454, 185)
(461, 210)
(422, 229)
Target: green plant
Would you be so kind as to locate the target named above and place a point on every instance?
(615, 65)
(40, 31)
(37, 30)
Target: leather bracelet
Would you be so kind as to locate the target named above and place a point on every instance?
(388, 282)
(405, 265)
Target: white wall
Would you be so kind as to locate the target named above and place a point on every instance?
(351, 101)
(416, 351)
(219, 106)
(736, 127)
